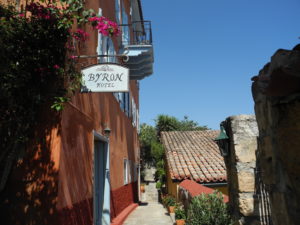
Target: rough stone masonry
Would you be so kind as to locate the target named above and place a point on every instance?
(241, 164)
(276, 93)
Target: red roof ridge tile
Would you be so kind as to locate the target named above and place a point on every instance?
(196, 189)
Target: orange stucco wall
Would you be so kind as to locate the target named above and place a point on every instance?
(171, 186)
(53, 181)
(88, 112)
(93, 112)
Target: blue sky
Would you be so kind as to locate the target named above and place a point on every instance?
(206, 52)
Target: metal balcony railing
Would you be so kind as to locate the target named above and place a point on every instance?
(137, 33)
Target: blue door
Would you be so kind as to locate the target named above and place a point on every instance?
(101, 182)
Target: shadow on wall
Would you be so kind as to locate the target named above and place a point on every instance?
(30, 195)
(262, 206)
(75, 172)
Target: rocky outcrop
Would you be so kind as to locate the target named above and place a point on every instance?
(279, 77)
(241, 164)
(276, 92)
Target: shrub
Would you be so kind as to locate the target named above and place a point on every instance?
(179, 212)
(158, 185)
(160, 173)
(208, 210)
(169, 200)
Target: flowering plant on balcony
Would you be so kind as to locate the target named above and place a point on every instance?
(105, 26)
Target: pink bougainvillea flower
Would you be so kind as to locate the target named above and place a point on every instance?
(93, 19)
(105, 26)
(80, 35)
(56, 66)
(73, 57)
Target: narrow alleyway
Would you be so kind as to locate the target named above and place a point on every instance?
(150, 212)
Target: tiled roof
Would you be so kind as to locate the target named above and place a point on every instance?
(194, 155)
(196, 189)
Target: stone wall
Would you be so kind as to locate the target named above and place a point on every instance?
(276, 92)
(241, 166)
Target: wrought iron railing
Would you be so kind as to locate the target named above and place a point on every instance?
(136, 33)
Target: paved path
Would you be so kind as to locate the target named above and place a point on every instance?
(150, 212)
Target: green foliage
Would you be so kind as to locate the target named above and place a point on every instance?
(74, 9)
(171, 123)
(166, 123)
(190, 125)
(157, 151)
(58, 104)
(160, 174)
(208, 210)
(169, 200)
(179, 212)
(147, 136)
(158, 185)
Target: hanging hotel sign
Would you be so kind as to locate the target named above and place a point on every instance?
(105, 78)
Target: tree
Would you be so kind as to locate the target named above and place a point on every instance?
(147, 134)
(189, 125)
(147, 137)
(157, 151)
(171, 123)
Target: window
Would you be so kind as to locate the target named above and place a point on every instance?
(117, 11)
(125, 171)
(111, 51)
(106, 47)
(138, 121)
(124, 100)
(125, 29)
(127, 104)
(129, 171)
(135, 172)
(133, 109)
(121, 98)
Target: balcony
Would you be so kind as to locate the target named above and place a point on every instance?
(137, 45)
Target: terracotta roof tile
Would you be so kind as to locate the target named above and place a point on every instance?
(194, 155)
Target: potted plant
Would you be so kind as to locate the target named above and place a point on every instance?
(170, 202)
(180, 215)
(142, 187)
